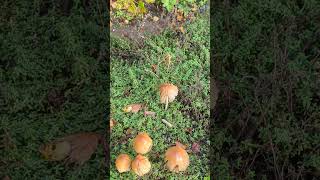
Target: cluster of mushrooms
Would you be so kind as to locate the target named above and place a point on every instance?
(176, 157)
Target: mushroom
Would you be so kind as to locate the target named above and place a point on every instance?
(141, 165)
(142, 143)
(168, 93)
(177, 159)
(123, 163)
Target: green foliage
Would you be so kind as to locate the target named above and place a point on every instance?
(265, 55)
(189, 71)
(53, 82)
(129, 9)
(168, 4)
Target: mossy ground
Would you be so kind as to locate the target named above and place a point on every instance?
(133, 81)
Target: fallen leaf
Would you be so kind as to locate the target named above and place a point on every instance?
(154, 68)
(6, 177)
(155, 18)
(189, 130)
(129, 131)
(75, 148)
(113, 4)
(195, 147)
(55, 151)
(194, 8)
(112, 123)
(180, 16)
(149, 113)
(149, 1)
(181, 29)
(134, 108)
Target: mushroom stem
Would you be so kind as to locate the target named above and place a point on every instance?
(167, 102)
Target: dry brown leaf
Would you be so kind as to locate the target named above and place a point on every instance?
(194, 8)
(83, 145)
(134, 108)
(195, 147)
(180, 16)
(55, 151)
(113, 4)
(149, 113)
(75, 148)
(154, 68)
(181, 29)
(112, 123)
(6, 177)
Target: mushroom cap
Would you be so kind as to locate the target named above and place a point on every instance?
(123, 163)
(141, 165)
(169, 91)
(177, 159)
(142, 143)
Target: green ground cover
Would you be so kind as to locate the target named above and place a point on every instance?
(132, 81)
(53, 83)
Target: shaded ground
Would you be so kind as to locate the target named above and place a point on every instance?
(267, 119)
(52, 83)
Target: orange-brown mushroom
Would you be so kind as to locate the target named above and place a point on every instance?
(177, 159)
(142, 143)
(141, 165)
(168, 93)
(123, 163)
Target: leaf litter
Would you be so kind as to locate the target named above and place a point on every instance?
(75, 148)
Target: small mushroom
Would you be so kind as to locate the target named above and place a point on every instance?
(177, 158)
(123, 163)
(168, 93)
(141, 165)
(142, 143)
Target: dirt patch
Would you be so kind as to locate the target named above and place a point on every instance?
(140, 29)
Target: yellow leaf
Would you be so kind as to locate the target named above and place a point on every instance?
(155, 18)
(149, 1)
(181, 29)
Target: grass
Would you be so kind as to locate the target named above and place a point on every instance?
(132, 81)
(52, 75)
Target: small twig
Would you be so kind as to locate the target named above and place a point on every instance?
(167, 123)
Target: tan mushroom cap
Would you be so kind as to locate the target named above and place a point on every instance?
(142, 143)
(177, 159)
(168, 93)
(123, 163)
(141, 165)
